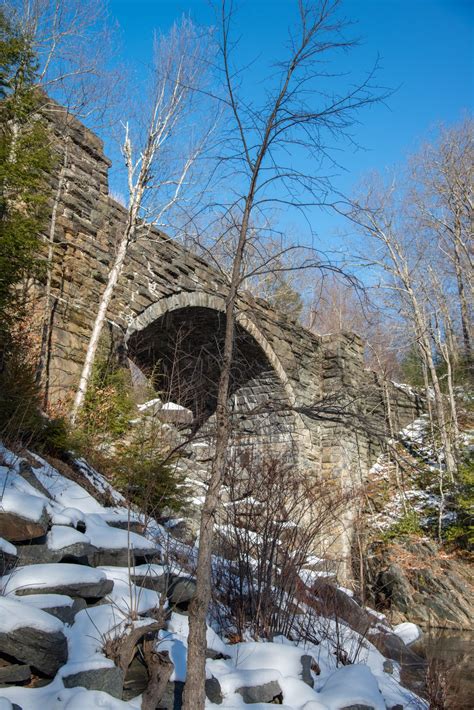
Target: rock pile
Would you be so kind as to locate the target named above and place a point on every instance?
(85, 587)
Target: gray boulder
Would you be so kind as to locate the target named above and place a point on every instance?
(149, 580)
(306, 663)
(213, 691)
(181, 590)
(265, 693)
(121, 557)
(79, 553)
(45, 651)
(14, 673)
(108, 679)
(67, 613)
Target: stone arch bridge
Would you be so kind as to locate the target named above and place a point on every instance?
(171, 301)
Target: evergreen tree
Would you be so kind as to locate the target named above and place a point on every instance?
(25, 158)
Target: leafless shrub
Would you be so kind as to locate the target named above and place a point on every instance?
(273, 521)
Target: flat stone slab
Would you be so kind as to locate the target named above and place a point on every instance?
(31, 636)
(121, 557)
(69, 579)
(80, 553)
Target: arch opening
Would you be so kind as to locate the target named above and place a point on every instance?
(181, 353)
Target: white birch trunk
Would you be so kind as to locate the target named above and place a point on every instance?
(114, 275)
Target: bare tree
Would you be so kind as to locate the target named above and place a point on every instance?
(156, 179)
(294, 114)
(443, 197)
(420, 244)
(400, 258)
(71, 40)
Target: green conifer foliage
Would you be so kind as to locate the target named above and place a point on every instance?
(25, 159)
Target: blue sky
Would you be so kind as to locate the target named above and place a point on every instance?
(426, 56)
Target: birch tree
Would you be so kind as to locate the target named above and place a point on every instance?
(443, 197)
(294, 112)
(157, 172)
(400, 259)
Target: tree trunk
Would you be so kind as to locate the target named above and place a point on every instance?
(159, 668)
(194, 692)
(465, 324)
(444, 433)
(114, 275)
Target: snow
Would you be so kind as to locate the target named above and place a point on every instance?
(277, 656)
(19, 496)
(87, 637)
(408, 632)
(173, 407)
(55, 697)
(244, 664)
(127, 596)
(25, 506)
(14, 615)
(99, 481)
(107, 537)
(46, 601)
(7, 547)
(49, 575)
(92, 699)
(61, 536)
(147, 570)
(352, 685)
(148, 405)
(65, 516)
(63, 490)
(175, 640)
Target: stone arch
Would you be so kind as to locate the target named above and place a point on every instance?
(201, 299)
(266, 385)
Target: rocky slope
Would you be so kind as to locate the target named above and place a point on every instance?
(414, 579)
(407, 574)
(89, 594)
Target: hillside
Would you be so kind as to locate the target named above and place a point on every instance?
(90, 590)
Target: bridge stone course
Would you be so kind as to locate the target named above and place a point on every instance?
(161, 277)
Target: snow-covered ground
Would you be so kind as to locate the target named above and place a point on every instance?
(76, 518)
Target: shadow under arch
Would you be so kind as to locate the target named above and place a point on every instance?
(140, 328)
